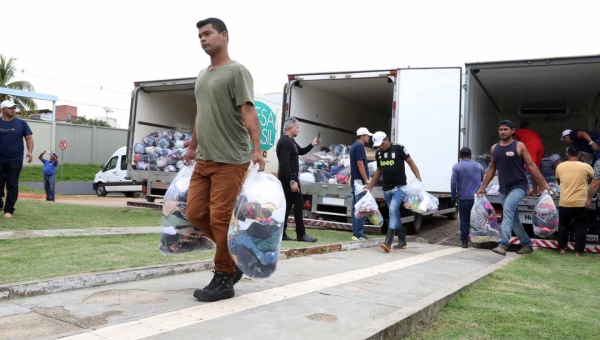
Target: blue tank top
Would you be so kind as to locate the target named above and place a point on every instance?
(511, 168)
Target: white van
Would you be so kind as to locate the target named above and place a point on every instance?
(111, 177)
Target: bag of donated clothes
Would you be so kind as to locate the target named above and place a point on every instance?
(367, 206)
(484, 225)
(419, 200)
(178, 235)
(256, 226)
(545, 216)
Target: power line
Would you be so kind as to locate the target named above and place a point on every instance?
(94, 105)
(93, 87)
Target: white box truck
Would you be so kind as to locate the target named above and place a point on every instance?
(421, 108)
(171, 104)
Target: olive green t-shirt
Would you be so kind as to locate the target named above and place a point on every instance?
(220, 92)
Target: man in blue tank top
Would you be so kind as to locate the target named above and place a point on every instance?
(509, 157)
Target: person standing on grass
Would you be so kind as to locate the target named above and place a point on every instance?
(49, 172)
(289, 170)
(359, 171)
(226, 122)
(12, 132)
(573, 177)
(466, 179)
(509, 157)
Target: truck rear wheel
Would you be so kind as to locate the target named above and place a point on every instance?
(415, 227)
(453, 215)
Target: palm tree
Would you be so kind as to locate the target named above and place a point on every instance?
(7, 73)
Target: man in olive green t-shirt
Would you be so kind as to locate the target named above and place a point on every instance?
(226, 121)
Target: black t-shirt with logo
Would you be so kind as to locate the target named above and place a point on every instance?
(391, 163)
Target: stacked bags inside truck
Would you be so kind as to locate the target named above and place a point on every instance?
(256, 226)
(331, 165)
(161, 151)
(178, 234)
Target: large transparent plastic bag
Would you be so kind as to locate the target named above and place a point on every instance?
(419, 200)
(367, 206)
(484, 225)
(256, 227)
(178, 234)
(545, 216)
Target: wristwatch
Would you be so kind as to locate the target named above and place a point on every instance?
(292, 182)
(592, 142)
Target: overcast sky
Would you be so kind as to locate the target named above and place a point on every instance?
(71, 49)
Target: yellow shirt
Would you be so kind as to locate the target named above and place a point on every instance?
(574, 177)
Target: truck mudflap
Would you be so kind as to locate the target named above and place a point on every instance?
(590, 248)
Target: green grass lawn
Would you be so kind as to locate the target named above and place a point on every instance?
(38, 215)
(539, 296)
(71, 173)
(28, 259)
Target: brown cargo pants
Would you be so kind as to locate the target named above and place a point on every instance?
(212, 195)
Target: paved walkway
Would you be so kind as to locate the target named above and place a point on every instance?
(357, 294)
(16, 234)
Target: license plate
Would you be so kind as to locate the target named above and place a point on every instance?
(525, 217)
(334, 201)
(160, 185)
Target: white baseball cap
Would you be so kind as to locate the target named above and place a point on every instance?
(566, 132)
(378, 138)
(7, 103)
(363, 131)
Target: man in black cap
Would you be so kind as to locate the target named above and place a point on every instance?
(466, 179)
(509, 157)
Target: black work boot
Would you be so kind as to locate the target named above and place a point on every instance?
(401, 239)
(219, 288)
(389, 238)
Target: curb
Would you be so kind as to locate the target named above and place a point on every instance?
(72, 282)
(405, 321)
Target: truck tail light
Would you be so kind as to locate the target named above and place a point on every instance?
(499, 215)
(144, 188)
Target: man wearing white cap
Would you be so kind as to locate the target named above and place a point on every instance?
(585, 141)
(390, 162)
(12, 132)
(359, 171)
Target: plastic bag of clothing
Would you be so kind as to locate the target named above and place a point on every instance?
(179, 144)
(178, 234)
(141, 166)
(256, 227)
(150, 150)
(177, 136)
(309, 159)
(321, 165)
(186, 143)
(170, 168)
(545, 216)
(149, 141)
(165, 143)
(307, 177)
(161, 162)
(484, 225)
(139, 148)
(367, 206)
(419, 200)
(169, 134)
(339, 150)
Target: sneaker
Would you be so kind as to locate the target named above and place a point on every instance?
(464, 245)
(525, 250)
(499, 250)
(306, 238)
(363, 238)
(354, 238)
(286, 238)
(219, 288)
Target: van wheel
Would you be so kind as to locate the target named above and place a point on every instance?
(128, 194)
(150, 199)
(453, 215)
(101, 190)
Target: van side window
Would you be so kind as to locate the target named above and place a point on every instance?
(112, 163)
(124, 162)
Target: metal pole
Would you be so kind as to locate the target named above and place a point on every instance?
(62, 163)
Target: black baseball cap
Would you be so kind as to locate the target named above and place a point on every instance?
(465, 151)
(508, 123)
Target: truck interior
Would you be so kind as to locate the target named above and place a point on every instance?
(552, 95)
(338, 107)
